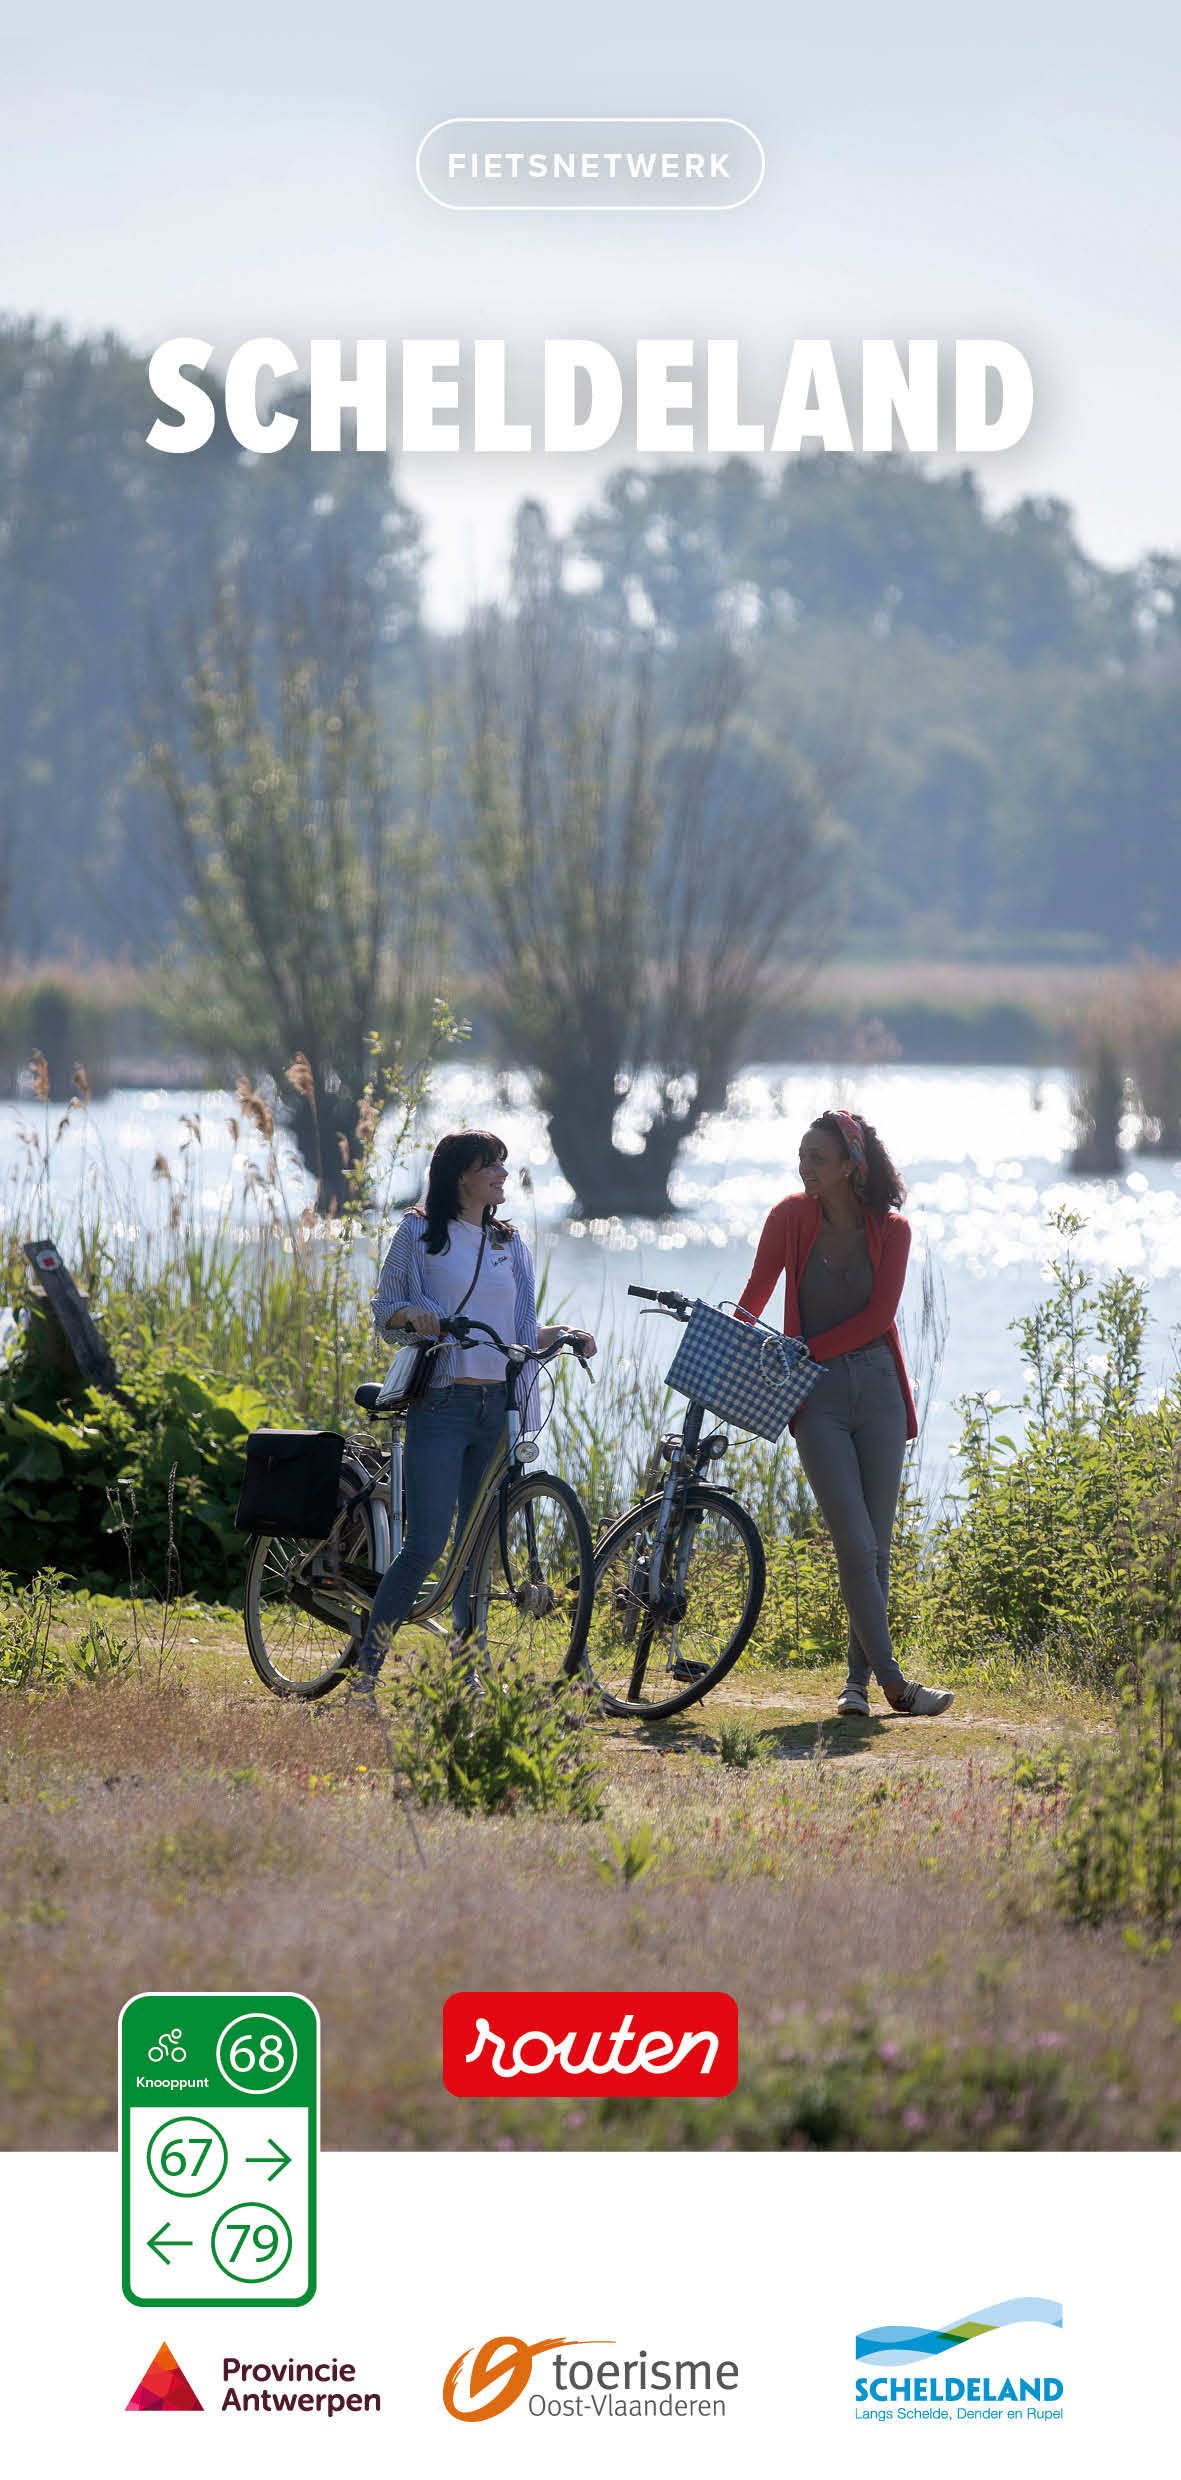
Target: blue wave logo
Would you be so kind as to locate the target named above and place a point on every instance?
(899, 2346)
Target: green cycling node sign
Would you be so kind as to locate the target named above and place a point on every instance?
(219, 2130)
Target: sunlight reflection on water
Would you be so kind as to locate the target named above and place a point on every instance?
(981, 1150)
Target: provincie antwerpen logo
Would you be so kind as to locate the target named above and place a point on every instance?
(548, 2043)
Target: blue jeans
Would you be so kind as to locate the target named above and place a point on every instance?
(851, 1439)
(451, 1437)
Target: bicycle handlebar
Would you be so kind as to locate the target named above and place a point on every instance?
(466, 1331)
(677, 1303)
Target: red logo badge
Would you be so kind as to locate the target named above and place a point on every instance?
(555, 2043)
(164, 2386)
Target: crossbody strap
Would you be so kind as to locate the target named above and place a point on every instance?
(479, 1262)
(437, 1343)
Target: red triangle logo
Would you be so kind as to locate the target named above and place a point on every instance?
(164, 2387)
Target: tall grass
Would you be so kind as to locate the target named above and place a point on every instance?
(1035, 1563)
(1128, 1067)
(261, 1291)
(902, 1975)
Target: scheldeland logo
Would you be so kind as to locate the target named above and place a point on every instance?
(948, 2397)
(483, 2382)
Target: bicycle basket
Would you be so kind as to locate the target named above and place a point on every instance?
(291, 1483)
(748, 1375)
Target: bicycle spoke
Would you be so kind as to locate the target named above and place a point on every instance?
(530, 1592)
(652, 1654)
(303, 1603)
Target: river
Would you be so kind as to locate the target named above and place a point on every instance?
(982, 1152)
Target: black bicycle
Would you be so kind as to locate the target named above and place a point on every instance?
(679, 1580)
(527, 1544)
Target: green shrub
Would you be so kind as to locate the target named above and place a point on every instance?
(105, 1489)
(1120, 1854)
(28, 1657)
(629, 1856)
(95, 1658)
(510, 1741)
(25, 1622)
(739, 1744)
(841, 2084)
(1047, 1545)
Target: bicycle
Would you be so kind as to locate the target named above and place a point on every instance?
(527, 1542)
(679, 1579)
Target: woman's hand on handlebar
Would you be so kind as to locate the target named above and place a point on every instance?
(414, 1322)
(578, 1337)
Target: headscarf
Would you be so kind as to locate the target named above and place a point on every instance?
(853, 1132)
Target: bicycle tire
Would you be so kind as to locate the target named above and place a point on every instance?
(533, 1579)
(725, 1578)
(296, 1650)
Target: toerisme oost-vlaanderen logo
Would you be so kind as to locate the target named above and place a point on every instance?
(883, 2394)
(564, 2378)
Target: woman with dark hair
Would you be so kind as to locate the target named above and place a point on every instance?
(842, 1250)
(454, 1251)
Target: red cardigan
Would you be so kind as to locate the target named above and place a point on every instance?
(788, 1238)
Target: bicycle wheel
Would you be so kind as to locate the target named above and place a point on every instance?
(651, 1661)
(303, 1610)
(532, 1579)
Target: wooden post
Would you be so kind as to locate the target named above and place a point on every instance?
(72, 1316)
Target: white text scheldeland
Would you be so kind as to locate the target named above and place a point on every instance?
(573, 395)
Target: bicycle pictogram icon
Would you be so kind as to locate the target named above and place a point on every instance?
(164, 2046)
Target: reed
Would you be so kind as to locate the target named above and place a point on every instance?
(1153, 1046)
(1025, 1572)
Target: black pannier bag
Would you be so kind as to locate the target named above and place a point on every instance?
(291, 1483)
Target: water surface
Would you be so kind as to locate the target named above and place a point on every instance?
(982, 1153)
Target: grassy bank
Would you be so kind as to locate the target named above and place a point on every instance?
(951, 1935)
(955, 1934)
(1052, 1561)
(880, 1899)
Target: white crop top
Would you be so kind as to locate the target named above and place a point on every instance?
(493, 1299)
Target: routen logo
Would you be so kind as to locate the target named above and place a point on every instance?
(553, 2042)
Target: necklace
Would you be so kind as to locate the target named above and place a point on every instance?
(840, 1255)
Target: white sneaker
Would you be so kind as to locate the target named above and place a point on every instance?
(915, 1700)
(853, 1701)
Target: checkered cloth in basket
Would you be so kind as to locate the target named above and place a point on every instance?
(749, 1375)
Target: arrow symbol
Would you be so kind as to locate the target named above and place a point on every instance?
(158, 2243)
(276, 2154)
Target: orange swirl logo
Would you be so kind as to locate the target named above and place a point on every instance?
(504, 2364)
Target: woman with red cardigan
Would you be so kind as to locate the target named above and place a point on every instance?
(842, 1250)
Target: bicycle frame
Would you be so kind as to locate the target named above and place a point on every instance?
(684, 1467)
(387, 1506)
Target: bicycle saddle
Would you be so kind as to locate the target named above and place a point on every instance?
(367, 1395)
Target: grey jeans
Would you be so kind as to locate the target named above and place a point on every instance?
(851, 1437)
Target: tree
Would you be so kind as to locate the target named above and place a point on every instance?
(302, 889)
(640, 853)
(106, 545)
(873, 542)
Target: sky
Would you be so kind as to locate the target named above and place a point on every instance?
(1009, 173)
